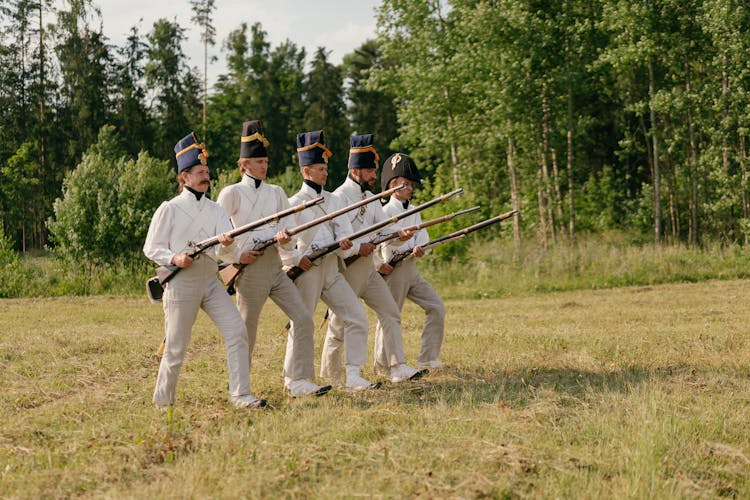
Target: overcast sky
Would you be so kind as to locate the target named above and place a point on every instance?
(338, 25)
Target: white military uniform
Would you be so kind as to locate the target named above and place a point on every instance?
(324, 280)
(176, 222)
(368, 285)
(406, 282)
(245, 203)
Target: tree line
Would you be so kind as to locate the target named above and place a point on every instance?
(588, 115)
(583, 115)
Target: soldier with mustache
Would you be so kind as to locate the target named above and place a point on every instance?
(191, 217)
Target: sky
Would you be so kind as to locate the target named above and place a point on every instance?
(338, 25)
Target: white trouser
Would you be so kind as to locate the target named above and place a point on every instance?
(369, 286)
(194, 288)
(406, 282)
(263, 279)
(324, 281)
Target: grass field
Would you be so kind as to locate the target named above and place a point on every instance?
(640, 392)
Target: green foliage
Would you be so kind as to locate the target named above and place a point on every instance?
(370, 111)
(263, 83)
(177, 104)
(142, 184)
(13, 276)
(609, 259)
(84, 61)
(600, 202)
(22, 203)
(326, 111)
(567, 108)
(107, 204)
(290, 180)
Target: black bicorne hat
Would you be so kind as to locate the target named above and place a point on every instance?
(362, 153)
(399, 165)
(311, 148)
(189, 152)
(253, 143)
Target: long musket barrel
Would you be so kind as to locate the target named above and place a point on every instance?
(390, 236)
(155, 285)
(296, 271)
(387, 237)
(229, 274)
(454, 235)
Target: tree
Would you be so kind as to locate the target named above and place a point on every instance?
(107, 201)
(324, 100)
(370, 110)
(173, 87)
(203, 17)
(24, 91)
(131, 115)
(262, 83)
(84, 58)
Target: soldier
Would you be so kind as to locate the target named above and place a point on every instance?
(262, 277)
(322, 280)
(362, 276)
(190, 217)
(404, 280)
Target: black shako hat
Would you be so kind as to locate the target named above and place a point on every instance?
(253, 143)
(189, 152)
(362, 153)
(399, 165)
(311, 148)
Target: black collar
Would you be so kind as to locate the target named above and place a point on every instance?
(317, 187)
(198, 194)
(257, 181)
(405, 203)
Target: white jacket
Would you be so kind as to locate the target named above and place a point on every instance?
(350, 192)
(184, 220)
(244, 203)
(321, 235)
(395, 207)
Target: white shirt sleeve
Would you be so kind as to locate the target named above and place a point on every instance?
(156, 246)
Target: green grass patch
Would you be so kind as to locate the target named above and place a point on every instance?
(636, 392)
(494, 269)
(483, 269)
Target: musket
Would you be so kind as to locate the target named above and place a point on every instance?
(296, 271)
(399, 256)
(229, 273)
(390, 236)
(155, 285)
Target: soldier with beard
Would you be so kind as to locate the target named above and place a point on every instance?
(322, 279)
(362, 276)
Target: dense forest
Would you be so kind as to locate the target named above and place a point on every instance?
(584, 115)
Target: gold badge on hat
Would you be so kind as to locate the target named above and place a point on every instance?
(395, 161)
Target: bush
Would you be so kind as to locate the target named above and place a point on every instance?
(13, 275)
(107, 203)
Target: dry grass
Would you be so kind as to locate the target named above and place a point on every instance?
(631, 392)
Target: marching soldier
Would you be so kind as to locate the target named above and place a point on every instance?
(322, 280)
(262, 277)
(362, 276)
(404, 280)
(191, 217)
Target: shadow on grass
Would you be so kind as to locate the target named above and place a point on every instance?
(455, 386)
